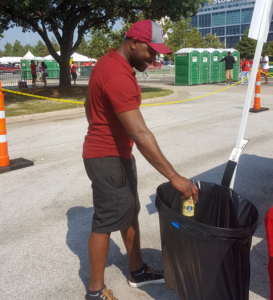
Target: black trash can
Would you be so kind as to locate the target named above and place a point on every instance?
(207, 257)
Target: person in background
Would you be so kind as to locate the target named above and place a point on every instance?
(240, 65)
(145, 73)
(251, 63)
(73, 69)
(230, 61)
(38, 70)
(45, 73)
(245, 71)
(269, 238)
(265, 66)
(115, 124)
(33, 72)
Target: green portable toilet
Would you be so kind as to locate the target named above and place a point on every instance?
(204, 66)
(236, 66)
(214, 66)
(187, 70)
(222, 71)
(50, 67)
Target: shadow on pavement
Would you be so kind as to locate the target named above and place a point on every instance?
(79, 221)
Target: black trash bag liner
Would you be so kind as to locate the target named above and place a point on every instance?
(206, 257)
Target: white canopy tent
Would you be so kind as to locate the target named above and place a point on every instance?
(76, 57)
(10, 59)
(30, 56)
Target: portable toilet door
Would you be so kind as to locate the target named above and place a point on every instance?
(204, 67)
(56, 69)
(187, 67)
(236, 66)
(214, 66)
(222, 71)
(181, 68)
(194, 67)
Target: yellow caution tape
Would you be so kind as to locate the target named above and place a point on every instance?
(151, 104)
(268, 74)
(41, 97)
(194, 98)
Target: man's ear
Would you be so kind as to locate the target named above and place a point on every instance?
(133, 43)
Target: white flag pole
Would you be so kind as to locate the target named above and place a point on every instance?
(260, 22)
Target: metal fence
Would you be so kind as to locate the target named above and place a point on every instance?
(25, 78)
(164, 71)
(14, 80)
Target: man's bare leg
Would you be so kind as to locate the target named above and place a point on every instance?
(131, 239)
(98, 246)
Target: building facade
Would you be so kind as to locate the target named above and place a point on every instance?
(227, 19)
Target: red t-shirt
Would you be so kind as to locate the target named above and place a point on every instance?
(113, 89)
(33, 68)
(269, 237)
(73, 68)
(245, 66)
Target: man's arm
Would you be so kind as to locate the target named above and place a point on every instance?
(87, 105)
(146, 143)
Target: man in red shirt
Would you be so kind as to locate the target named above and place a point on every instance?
(115, 124)
(245, 71)
(73, 69)
(33, 72)
(269, 238)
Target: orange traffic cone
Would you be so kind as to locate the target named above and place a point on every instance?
(257, 100)
(4, 157)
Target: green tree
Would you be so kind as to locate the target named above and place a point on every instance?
(40, 49)
(176, 34)
(55, 45)
(63, 18)
(270, 48)
(246, 46)
(1, 36)
(212, 41)
(27, 48)
(116, 36)
(8, 49)
(194, 39)
(83, 47)
(99, 44)
(18, 49)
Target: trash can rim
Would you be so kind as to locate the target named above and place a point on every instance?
(218, 231)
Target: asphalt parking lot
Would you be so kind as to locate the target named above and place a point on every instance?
(47, 209)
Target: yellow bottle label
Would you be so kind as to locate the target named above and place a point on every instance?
(188, 207)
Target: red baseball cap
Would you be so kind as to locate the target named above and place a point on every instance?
(151, 33)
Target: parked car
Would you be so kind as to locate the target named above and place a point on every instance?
(6, 68)
(167, 62)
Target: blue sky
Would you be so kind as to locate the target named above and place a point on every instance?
(16, 34)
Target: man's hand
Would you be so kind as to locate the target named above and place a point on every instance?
(185, 186)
